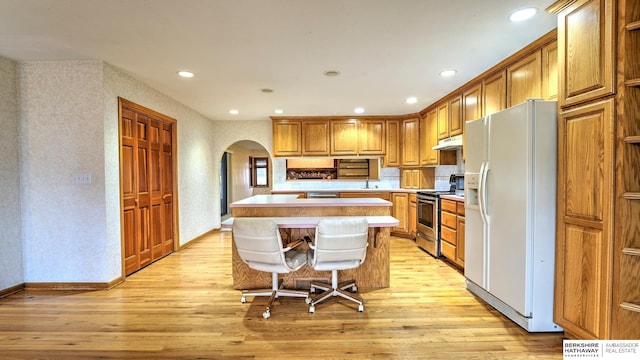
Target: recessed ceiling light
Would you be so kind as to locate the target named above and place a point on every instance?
(412, 100)
(234, 112)
(185, 74)
(358, 110)
(278, 111)
(523, 14)
(448, 73)
(331, 73)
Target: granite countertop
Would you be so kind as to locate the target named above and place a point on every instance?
(293, 201)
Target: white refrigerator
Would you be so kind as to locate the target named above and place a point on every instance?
(510, 202)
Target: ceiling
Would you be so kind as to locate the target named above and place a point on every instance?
(385, 50)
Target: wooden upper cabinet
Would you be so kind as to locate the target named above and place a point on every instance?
(494, 93)
(372, 137)
(550, 71)
(455, 116)
(392, 155)
(344, 137)
(471, 110)
(287, 138)
(315, 137)
(586, 49)
(524, 79)
(443, 120)
(472, 103)
(410, 142)
(429, 136)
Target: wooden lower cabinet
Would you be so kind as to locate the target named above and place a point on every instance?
(452, 231)
(400, 211)
(413, 215)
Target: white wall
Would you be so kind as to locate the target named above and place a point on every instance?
(11, 259)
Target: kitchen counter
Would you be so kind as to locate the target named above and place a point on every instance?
(302, 215)
(276, 201)
(453, 197)
(290, 191)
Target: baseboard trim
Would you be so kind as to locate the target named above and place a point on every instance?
(68, 286)
(12, 290)
(198, 238)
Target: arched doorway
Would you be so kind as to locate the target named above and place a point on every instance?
(236, 180)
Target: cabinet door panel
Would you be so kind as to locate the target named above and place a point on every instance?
(344, 137)
(584, 240)
(494, 93)
(550, 71)
(315, 137)
(455, 116)
(586, 39)
(410, 142)
(524, 79)
(287, 138)
(371, 137)
(443, 121)
(460, 241)
(392, 155)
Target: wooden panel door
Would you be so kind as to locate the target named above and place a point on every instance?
(344, 137)
(392, 155)
(429, 136)
(315, 137)
(372, 137)
(147, 186)
(524, 79)
(455, 116)
(584, 241)
(586, 46)
(550, 71)
(494, 93)
(443, 121)
(471, 110)
(287, 137)
(401, 211)
(410, 142)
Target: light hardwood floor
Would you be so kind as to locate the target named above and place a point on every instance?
(184, 307)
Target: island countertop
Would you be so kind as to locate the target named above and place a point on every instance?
(278, 201)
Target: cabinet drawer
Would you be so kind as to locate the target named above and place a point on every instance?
(448, 205)
(448, 235)
(460, 208)
(448, 250)
(448, 219)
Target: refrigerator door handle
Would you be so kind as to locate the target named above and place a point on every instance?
(482, 191)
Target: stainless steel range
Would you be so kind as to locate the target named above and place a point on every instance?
(428, 222)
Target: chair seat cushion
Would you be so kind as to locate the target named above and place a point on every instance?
(295, 259)
(332, 265)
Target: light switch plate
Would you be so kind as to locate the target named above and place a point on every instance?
(78, 179)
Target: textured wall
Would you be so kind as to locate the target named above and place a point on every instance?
(61, 110)
(68, 114)
(11, 266)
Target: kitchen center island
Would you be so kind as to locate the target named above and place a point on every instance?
(297, 218)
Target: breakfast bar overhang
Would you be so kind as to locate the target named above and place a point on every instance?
(297, 218)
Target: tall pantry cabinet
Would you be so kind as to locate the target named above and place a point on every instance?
(598, 207)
